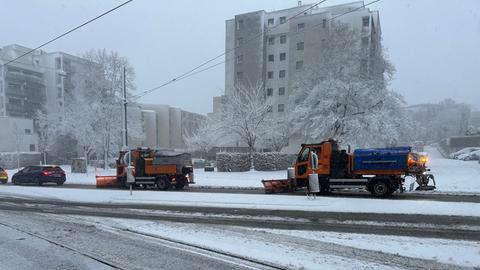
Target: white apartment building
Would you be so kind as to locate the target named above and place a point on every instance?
(273, 48)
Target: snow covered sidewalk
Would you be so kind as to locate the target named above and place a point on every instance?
(309, 249)
(249, 201)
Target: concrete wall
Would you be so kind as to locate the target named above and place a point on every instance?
(17, 132)
(149, 128)
(176, 140)
(166, 127)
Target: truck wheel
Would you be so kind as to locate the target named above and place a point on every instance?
(180, 184)
(380, 188)
(163, 183)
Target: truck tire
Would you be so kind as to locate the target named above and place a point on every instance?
(180, 183)
(163, 183)
(380, 188)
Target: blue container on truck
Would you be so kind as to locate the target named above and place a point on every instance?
(380, 159)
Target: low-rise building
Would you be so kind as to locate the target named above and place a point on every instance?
(165, 126)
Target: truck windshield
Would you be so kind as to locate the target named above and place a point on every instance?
(304, 155)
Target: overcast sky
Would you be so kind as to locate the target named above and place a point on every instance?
(435, 45)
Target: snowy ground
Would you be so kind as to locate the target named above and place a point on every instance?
(248, 201)
(452, 176)
(309, 250)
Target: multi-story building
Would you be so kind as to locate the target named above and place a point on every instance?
(34, 82)
(65, 75)
(274, 48)
(22, 83)
(167, 127)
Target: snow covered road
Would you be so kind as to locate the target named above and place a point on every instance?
(22, 251)
(155, 244)
(247, 201)
(83, 240)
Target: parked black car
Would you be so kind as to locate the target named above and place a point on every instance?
(39, 174)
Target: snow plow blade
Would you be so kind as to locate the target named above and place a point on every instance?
(278, 186)
(106, 181)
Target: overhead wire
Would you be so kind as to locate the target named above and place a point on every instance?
(187, 74)
(68, 32)
(260, 34)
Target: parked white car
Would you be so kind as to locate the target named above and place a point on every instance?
(469, 153)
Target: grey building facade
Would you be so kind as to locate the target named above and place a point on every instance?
(274, 48)
(22, 83)
(166, 127)
(37, 81)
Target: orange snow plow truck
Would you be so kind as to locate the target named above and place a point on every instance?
(381, 171)
(150, 169)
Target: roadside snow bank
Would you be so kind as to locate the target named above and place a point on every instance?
(251, 201)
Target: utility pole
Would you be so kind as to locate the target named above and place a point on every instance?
(125, 128)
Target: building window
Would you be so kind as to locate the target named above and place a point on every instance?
(239, 24)
(28, 131)
(363, 66)
(32, 147)
(271, 58)
(239, 76)
(299, 65)
(364, 41)
(281, 74)
(270, 74)
(366, 21)
(271, 40)
(59, 79)
(269, 108)
(59, 92)
(15, 101)
(281, 107)
(324, 23)
(283, 20)
(271, 22)
(269, 92)
(58, 63)
(283, 39)
(281, 91)
(300, 27)
(240, 59)
(283, 56)
(239, 42)
(300, 46)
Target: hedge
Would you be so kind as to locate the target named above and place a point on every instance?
(233, 162)
(272, 161)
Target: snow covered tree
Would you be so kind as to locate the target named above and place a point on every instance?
(92, 108)
(345, 96)
(107, 90)
(81, 120)
(208, 135)
(244, 114)
(275, 137)
(436, 122)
